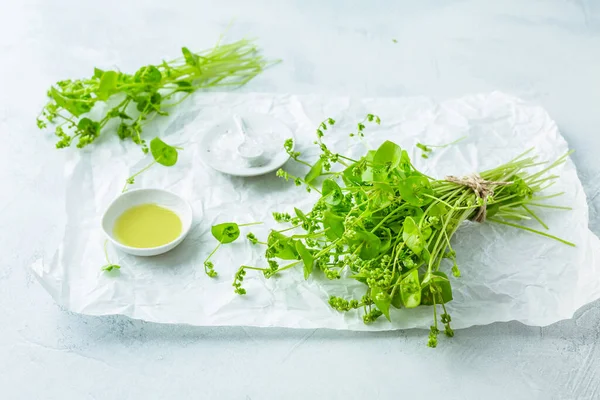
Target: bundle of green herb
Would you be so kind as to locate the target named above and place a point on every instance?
(138, 98)
(390, 226)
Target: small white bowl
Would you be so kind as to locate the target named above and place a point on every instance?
(136, 197)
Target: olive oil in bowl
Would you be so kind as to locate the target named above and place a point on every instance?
(147, 226)
(147, 222)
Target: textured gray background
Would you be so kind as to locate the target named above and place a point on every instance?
(545, 51)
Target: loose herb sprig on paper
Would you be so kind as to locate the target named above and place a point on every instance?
(162, 154)
(390, 226)
(427, 149)
(225, 233)
(136, 99)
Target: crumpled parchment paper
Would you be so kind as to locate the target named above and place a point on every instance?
(507, 274)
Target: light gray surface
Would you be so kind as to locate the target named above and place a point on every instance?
(545, 51)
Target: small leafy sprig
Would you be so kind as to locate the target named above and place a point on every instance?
(225, 233)
(109, 266)
(427, 149)
(136, 99)
(390, 226)
(162, 154)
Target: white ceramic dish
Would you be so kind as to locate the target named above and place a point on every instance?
(136, 197)
(219, 145)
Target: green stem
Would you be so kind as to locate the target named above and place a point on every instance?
(137, 173)
(250, 224)
(534, 215)
(106, 251)
(531, 230)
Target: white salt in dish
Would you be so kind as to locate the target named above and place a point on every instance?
(220, 143)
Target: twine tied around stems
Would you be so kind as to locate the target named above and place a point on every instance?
(482, 188)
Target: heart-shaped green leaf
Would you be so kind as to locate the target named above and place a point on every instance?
(163, 153)
(226, 232)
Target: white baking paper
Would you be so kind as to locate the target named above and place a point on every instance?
(507, 274)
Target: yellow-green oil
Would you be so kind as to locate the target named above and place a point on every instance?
(146, 226)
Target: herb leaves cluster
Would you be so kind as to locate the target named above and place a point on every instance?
(133, 100)
(382, 222)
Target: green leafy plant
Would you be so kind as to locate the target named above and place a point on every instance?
(162, 154)
(389, 226)
(135, 99)
(227, 232)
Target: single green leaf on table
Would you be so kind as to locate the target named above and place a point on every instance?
(382, 300)
(226, 232)
(307, 258)
(163, 153)
(334, 225)
(108, 85)
(415, 190)
(410, 289)
(281, 246)
(315, 171)
(412, 236)
(443, 289)
(332, 194)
